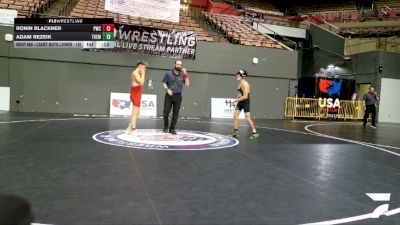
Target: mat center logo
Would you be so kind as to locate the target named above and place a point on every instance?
(157, 140)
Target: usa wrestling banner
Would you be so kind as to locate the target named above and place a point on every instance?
(121, 105)
(152, 9)
(152, 41)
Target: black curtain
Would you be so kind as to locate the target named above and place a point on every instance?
(311, 87)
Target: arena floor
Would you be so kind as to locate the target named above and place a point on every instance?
(73, 171)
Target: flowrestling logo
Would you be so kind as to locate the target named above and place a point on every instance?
(157, 140)
(378, 212)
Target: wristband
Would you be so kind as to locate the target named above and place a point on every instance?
(185, 75)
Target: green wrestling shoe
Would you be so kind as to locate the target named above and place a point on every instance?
(235, 134)
(254, 136)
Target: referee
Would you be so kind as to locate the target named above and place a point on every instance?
(370, 101)
(173, 83)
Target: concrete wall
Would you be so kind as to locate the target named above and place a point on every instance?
(360, 45)
(327, 40)
(75, 81)
(367, 65)
(326, 48)
(364, 67)
(391, 65)
(389, 106)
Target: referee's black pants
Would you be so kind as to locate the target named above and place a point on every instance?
(370, 109)
(172, 101)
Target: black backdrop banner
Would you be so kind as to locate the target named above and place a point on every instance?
(141, 40)
(311, 87)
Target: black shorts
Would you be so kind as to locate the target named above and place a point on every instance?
(245, 105)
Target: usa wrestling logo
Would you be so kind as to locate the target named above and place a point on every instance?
(157, 140)
(121, 104)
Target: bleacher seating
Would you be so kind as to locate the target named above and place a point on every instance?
(392, 4)
(355, 17)
(326, 7)
(389, 15)
(338, 17)
(371, 31)
(272, 22)
(347, 13)
(26, 8)
(238, 32)
(95, 9)
(259, 4)
(267, 12)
